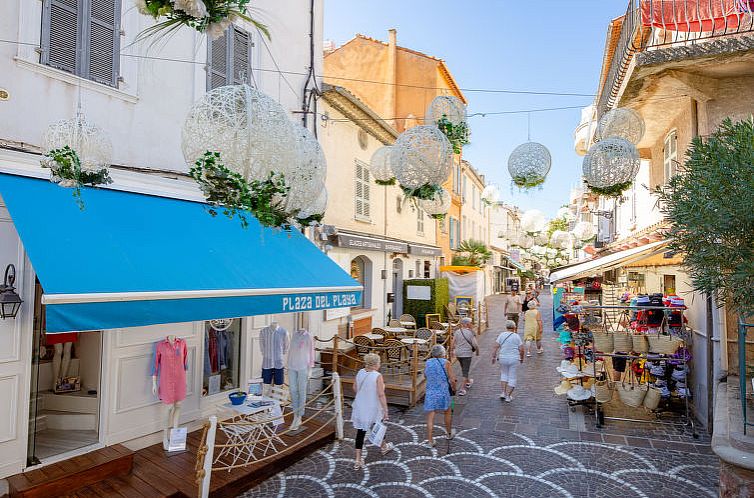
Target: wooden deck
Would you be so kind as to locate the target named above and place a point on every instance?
(151, 472)
(398, 388)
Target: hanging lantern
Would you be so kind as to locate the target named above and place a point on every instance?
(379, 166)
(308, 179)
(438, 205)
(249, 129)
(560, 239)
(525, 241)
(490, 195)
(89, 142)
(318, 207)
(421, 155)
(533, 221)
(566, 214)
(622, 123)
(10, 301)
(529, 164)
(610, 166)
(448, 107)
(541, 238)
(583, 230)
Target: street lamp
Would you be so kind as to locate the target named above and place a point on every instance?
(10, 302)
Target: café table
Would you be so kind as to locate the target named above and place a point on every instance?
(374, 337)
(395, 330)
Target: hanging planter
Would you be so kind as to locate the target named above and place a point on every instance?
(77, 153)
(529, 164)
(438, 205)
(206, 16)
(449, 114)
(421, 156)
(379, 166)
(622, 123)
(610, 166)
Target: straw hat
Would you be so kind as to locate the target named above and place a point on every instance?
(563, 365)
(578, 393)
(563, 388)
(571, 372)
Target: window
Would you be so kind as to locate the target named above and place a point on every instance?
(222, 356)
(443, 225)
(82, 37)
(419, 221)
(399, 204)
(361, 271)
(473, 197)
(463, 189)
(427, 269)
(670, 155)
(452, 222)
(464, 230)
(418, 269)
(229, 58)
(457, 180)
(362, 191)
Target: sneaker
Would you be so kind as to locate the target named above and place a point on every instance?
(358, 465)
(469, 383)
(503, 397)
(540, 351)
(462, 392)
(508, 398)
(431, 444)
(452, 434)
(528, 355)
(387, 449)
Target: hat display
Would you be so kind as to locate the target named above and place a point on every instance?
(565, 337)
(563, 388)
(569, 352)
(657, 370)
(578, 393)
(571, 372)
(563, 365)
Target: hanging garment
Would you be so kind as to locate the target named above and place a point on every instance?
(51, 339)
(694, 15)
(222, 349)
(274, 344)
(170, 365)
(213, 351)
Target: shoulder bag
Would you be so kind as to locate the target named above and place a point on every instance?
(451, 390)
(473, 348)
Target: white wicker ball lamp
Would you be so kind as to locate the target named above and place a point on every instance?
(583, 230)
(307, 180)
(90, 143)
(622, 123)
(421, 155)
(529, 164)
(439, 204)
(533, 221)
(379, 165)
(447, 106)
(611, 162)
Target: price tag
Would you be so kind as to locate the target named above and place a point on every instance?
(177, 439)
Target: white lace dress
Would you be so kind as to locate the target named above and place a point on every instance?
(366, 406)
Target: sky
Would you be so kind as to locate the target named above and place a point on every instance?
(543, 45)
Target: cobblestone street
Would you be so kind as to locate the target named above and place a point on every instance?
(533, 446)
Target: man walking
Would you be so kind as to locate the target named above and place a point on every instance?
(513, 306)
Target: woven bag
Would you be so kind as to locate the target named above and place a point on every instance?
(622, 342)
(639, 343)
(602, 391)
(603, 341)
(664, 344)
(652, 398)
(631, 393)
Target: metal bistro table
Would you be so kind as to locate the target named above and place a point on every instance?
(395, 330)
(412, 340)
(374, 337)
(260, 423)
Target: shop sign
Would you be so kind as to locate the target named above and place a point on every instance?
(424, 250)
(370, 244)
(308, 302)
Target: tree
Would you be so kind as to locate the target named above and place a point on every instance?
(710, 207)
(471, 253)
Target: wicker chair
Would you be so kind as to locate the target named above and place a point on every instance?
(363, 345)
(427, 335)
(393, 351)
(379, 331)
(406, 318)
(394, 323)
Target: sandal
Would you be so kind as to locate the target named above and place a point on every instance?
(387, 449)
(462, 392)
(469, 383)
(358, 465)
(431, 444)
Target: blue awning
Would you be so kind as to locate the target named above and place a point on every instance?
(130, 260)
(518, 266)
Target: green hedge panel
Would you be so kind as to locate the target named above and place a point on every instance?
(440, 294)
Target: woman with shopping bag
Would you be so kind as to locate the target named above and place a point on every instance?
(438, 396)
(369, 407)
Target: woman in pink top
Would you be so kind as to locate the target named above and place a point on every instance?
(170, 364)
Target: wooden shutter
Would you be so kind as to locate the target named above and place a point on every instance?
(217, 60)
(359, 206)
(104, 41)
(241, 57)
(61, 34)
(365, 179)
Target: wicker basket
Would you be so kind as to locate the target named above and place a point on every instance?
(639, 343)
(622, 342)
(603, 341)
(652, 398)
(632, 394)
(664, 344)
(602, 391)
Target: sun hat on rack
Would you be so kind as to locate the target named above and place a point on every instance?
(571, 372)
(563, 387)
(578, 393)
(563, 365)
(569, 352)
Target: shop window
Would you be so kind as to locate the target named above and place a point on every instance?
(229, 58)
(82, 37)
(361, 179)
(222, 356)
(670, 155)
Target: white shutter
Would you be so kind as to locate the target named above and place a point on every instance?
(60, 34)
(104, 41)
(241, 57)
(217, 60)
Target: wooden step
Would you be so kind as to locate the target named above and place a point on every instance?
(66, 477)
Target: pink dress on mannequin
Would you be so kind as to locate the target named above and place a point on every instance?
(170, 364)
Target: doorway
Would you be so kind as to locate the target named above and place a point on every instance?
(397, 287)
(64, 402)
(668, 284)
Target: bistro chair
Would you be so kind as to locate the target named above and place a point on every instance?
(407, 321)
(427, 335)
(393, 351)
(379, 331)
(394, 323)
(429, 318)
(363, 344)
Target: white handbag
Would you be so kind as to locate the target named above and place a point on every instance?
(377, 433)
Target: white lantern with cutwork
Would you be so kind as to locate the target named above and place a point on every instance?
(379, 165)
(622, 123)
(529, 164)
(91, 144)
(583, 230)
(611, 162)
(308, 179)
(421, 155)
(439, 204)
(560, 239)
(533, 221)
(447, 106)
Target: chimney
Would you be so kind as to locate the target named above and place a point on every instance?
(392, 76)
(392, 37)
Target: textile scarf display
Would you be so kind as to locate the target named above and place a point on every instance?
(694, 15)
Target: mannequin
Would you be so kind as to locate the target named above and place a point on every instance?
(61, 360)
(300, 362)
(274, 343)
(169, 379)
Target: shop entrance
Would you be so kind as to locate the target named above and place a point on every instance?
(64, 403)
(397, 287)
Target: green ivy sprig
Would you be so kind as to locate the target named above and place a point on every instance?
(65, 165)
(392, 181)
(611, 191)
(458, 134)
(426, 192)
(527, 183)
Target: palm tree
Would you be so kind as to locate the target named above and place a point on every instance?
(472, 253)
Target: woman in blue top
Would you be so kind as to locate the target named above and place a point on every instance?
(439, 377)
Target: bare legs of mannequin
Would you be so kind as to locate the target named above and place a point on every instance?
(61, 360)
(174, 413)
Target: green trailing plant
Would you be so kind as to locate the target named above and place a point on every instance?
(556, 224)
(229, 192)
(611, 191)
(65, 165)
(385, 182)
(710, 207)
(211, 16)
(458, 134)
(472, 253)
(426, 192)
(440, 216)
(525, 183)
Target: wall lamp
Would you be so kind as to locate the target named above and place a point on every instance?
(10, 302)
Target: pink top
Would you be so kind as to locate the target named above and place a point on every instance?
(170, 365)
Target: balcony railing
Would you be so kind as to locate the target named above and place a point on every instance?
(655, 24)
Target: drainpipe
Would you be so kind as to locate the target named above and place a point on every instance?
(392, 76)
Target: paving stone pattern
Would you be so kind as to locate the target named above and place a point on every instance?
(534, 446)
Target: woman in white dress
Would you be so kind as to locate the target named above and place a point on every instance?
(370, 404)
